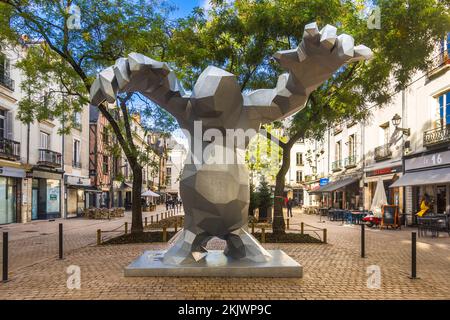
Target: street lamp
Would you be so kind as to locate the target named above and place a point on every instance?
(396, 122)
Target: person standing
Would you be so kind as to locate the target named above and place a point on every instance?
(289, 205)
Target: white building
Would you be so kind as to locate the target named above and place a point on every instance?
(33, 180)
(177, 154)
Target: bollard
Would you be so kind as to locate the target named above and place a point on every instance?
(263, 235)
(157, 217)
(363, 241)
(61, 254)
(151, 219)
(99, 237)
(287, 224)
(413, 255)
(126, 227)
(164, 234)
(5, 257)
(253, 227)
(324, 235)
(176, 226)
(302, 228)
(145, 221)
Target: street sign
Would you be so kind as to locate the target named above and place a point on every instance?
(324, 181)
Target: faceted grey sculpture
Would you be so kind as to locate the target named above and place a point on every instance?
(216, 196)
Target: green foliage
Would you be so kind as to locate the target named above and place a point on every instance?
(264, 194)
(254, 199)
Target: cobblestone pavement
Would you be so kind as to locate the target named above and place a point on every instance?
(331, 271)
(34, 242)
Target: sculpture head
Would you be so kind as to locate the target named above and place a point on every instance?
(216, 99)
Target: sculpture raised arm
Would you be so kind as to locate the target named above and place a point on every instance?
(139, 73)
(317, 58)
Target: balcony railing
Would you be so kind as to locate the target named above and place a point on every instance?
(350, 162)
(436, 136)
(383, 152)
(438, 62)
(336, 165)
(76, 164)
(9, 149)
(49, 158)
(6, 81)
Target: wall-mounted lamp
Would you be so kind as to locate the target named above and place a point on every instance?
(396, 122)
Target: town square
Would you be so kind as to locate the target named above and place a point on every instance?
(225, 150)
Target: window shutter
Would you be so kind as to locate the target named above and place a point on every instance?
(9, 126)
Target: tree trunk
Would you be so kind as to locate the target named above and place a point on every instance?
(136, 206)
(278, 225)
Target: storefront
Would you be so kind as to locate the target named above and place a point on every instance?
(77, 198)
(388, 175)
(46, 195)
(343, 193)
(426, 175)
(10, 189)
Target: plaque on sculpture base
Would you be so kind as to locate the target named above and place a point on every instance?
(215, 264)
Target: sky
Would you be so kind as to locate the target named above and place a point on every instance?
(186, 6)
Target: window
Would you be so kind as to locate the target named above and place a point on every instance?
(105, 136)
(105, 165)
(2, 123)
(385, 133)
(444, 109)
(299, 176)
(77, 120)
(44, 140)
(338, 151)
(299, 159)
(352, 146)
(76, 153)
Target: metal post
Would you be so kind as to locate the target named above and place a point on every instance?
(5, 257)
(99, 237)
(157, 217)
(263, 235)
(145, 221)
(253, 227)
(176, 226)
(151, 219)
(126, 227)
(164, 234)
(413, 255)
(287, 223)
(363, 241)
(61, 242)
(324, 235)
(302, 228)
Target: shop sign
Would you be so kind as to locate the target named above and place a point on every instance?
(383, 171)
(324, 181)
(428, 160)
(77, 181)
(12, 172)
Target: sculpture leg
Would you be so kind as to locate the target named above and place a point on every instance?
(242, 245)
(188, 248)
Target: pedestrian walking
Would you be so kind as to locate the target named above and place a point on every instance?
(289, 205)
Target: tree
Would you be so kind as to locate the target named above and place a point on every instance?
(242, 36)
(69, 45)
(264, 197)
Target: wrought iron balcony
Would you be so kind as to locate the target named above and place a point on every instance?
(436, 136)
(6, 81)
(9, 149)
(49, 158)
(336, 165)
(350, 162)
(439, 62)
(383, 152)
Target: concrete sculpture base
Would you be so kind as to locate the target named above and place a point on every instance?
(215, 264)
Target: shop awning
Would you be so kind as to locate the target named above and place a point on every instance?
(125, 185)
(150, 193)
(336, 185)
(423, 177)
